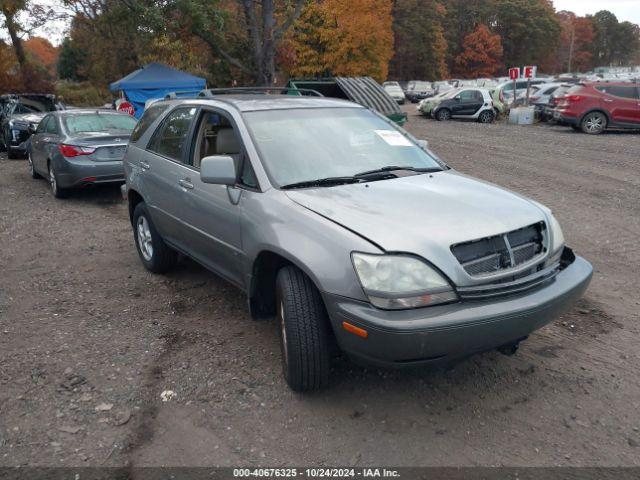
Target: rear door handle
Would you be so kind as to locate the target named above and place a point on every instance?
(186, 183)
(608, 100)
(145, 165)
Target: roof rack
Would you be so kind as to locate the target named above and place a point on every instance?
(210, 92)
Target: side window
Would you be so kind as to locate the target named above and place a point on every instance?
(617, 91)
(43, 125)
(467, 95)
(171, 137)
(51, 126)
(148, 117)
(477, 96)
(217, 136)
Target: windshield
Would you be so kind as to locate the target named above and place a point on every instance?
(98, 122)
(300, 145)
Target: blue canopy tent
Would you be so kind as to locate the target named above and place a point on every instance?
(154, 81)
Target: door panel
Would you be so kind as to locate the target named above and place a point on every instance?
(213, 236)
(621, 102)
(212, 218)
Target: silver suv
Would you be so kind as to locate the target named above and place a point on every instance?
(348, 230)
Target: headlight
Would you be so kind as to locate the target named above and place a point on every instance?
(557, 238)
(395, 282)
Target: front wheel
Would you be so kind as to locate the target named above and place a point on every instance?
(304, 331)
(156, 256)
(486, 117)
(594, 123)
(443, 115)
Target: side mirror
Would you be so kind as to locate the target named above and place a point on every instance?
(32, 128)
(423, 144)
(218, 170)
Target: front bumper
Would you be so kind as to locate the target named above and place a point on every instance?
(443, 333)
(76, 172)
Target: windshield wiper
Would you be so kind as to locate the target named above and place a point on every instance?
(322, 182)
(393, 168)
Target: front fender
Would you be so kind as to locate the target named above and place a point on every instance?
(318, 246)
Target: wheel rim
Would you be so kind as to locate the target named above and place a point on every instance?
(144, 238)
(283, 334)
(52, 181)
(594, 123)
(444, 114)
(485, 117)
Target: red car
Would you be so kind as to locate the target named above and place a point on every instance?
(594, 107)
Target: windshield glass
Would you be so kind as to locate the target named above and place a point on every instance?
(98, 122)
(300, 145)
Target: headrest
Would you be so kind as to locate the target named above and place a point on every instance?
(227, 142)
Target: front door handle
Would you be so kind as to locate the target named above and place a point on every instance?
(186, 183)
(145, 165)
(608, 100)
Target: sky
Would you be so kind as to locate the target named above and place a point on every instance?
(625, 10)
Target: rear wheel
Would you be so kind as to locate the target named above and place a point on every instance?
(32, 170)
(156, 256)
(486, 117)
(304, 331)
(594, 123)
(57, 191)
(443, 115)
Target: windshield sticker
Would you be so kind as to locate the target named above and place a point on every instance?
(394, 138)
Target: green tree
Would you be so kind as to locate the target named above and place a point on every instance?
(419, 40)
(529, 30)
(71, 61)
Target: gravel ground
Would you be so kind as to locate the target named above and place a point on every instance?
(89, 340)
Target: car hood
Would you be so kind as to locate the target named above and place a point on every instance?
(28, 117)
(423, 214)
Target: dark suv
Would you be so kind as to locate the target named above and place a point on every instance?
(20, 115)
(595, 107)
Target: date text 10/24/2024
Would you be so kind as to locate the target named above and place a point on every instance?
(315, 473)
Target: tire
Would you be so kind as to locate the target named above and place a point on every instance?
(56, 190)
(12, 155)
(443, 115)
(304, 331)
(32, 170)
(155, 255)
(594, 123)
(486, 117)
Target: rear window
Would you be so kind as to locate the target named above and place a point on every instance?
(149, 116)
(98, 122)
(618, 91)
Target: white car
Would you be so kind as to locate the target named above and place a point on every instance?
(469, 103)
(394, 90)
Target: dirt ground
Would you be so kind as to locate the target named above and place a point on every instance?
(89, 340)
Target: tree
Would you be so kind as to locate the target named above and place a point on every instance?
(335, 37)
(576, 38)
(44, 53)
(481, 55)
(615, 43)
(11, 15)
(419, 40)
(71, 61)
(529, 30)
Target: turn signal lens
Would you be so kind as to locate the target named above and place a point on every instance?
(361, 332)
(71, 151)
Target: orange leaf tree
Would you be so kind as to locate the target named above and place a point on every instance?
(481, 55)
(340, 37)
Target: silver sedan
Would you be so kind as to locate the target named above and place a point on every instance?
(75, 148)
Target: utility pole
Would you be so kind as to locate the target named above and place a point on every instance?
(573, 37)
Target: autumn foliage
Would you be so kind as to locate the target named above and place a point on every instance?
(481, 55)
(335, 37)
